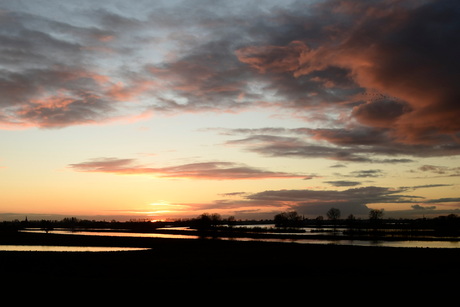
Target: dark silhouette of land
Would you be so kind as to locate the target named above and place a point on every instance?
(439, 228)
(225, 261)
(219, 262)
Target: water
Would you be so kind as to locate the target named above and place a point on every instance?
(383, 243)
(118, 234)
(48, 248)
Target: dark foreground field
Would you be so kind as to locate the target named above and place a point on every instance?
(214, 261)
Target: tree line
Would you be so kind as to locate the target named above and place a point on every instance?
(293, 219)
(288, 219)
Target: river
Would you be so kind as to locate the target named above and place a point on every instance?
(52, 248)
(301, 240)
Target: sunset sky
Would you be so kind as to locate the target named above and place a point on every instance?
(169, 109)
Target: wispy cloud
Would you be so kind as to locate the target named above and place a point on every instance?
(205, 170)
(441, 170)
(343, 183)
(351, 144)
(295, 147)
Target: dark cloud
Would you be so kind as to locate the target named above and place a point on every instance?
(380, 113)
(343, 183)
(295, 147)
(370, 173)
(431, 186)
(377, 47)
(382, 45)
(354, 144)
(280, 146)
(441, 170)
(356, 201)
(444, 200)
(206, 170)
(351, 201)
(204, 81)
(233, 194)
(418, 207)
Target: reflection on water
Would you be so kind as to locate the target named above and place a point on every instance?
(383, 243)
(47, 248)
(418, 244)
(118, 234)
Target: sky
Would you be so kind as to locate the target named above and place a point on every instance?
(157, 110)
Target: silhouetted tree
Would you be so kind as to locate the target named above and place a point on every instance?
(333, 214)
(207, 221)
(288, 219)
(70, 222)
(375, 214)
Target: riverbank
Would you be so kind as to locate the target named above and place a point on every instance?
(183, 260)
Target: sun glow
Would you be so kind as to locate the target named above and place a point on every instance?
(162, 207)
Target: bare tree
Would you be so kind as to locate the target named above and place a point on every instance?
(375, 214)
(333, 214)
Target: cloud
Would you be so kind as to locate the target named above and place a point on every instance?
(370, 173)
(382, 75)
(381, 44)
(295, 147)
(352, 144)
(380, 113)
(441, 170)
(273, 58)
(444, 200)
(51, 74)
(343, 183)
(280, 146)
(233, 194)
(311, 203)
(205, 171)
(418, 207)
(350, 201)
(54, 97)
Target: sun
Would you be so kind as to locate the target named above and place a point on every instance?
(165, 210)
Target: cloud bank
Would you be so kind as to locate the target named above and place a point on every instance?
(383, 69)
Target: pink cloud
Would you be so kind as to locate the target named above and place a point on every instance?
(129, 92)
(205, 171)
(274, 58)
(405, 52)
